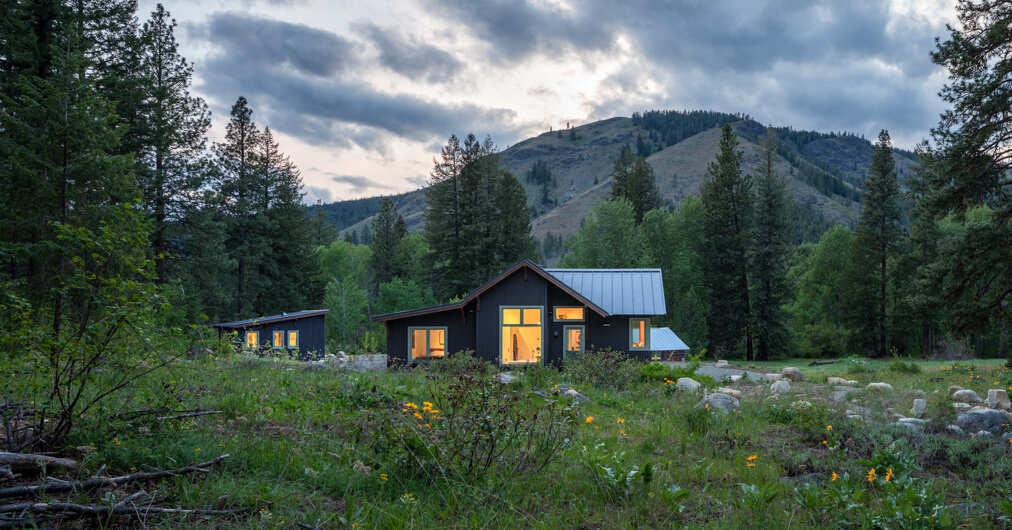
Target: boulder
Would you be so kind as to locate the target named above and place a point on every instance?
(912, 421)
(801, 405)
(792, 373)
(719, 402)
(721, 362)
(879, 387)
(839, 381)
(838, 396)
(998, 399)
(961, 407)
(772, 377)
(736, 394)
(954, 388)
(954, 429)
(857, 417)
(735, 378)
(990, 420)
(687, 384)
(780, 387)
(966, 396)
(983, 434)
(919, 408)
(504, 378)
(576, 396)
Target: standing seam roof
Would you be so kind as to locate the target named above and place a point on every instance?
(617, 291)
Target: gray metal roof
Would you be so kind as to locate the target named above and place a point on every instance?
(617, 291)
(273, 318)
(663, 339)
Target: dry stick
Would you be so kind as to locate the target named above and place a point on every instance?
(82, 509)
(98, 482)
(190, 415)
(30, 460)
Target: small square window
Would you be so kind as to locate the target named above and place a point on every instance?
(532, 316)
(511, 317)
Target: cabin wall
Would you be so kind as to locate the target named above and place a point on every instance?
(459, 331)
(523, 287)
(312, 336)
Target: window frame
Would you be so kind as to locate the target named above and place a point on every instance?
(274, 342)
(555, 317)
(288, 339)
(646, 332)
(541, 325)
(246, 341)
(566, 352)
(428, 347)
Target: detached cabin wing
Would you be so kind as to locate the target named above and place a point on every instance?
(530, 315)
(302, 333)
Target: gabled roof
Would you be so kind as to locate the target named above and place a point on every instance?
(618, 291)
(663, 339)
(488, 285)
(273, 318)
(607, 292)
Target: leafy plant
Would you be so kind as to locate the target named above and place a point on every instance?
(614, 476)
(755, 497)
(904, 367)
(673, 494)
(604, 367)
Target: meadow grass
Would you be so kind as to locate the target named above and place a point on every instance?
(304, 449)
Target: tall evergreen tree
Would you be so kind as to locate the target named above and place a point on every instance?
(168, 136)
(388, 229)
(975, 147)
(608, 238)
(727, 198)
(866, 276)
(769, 255)
(633, 179)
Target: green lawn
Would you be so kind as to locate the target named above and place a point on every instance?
(323, 447)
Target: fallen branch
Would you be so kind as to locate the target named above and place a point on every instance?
(189, 415)
(820, 363)
(83, 509)
(99, 482)
(29, 460)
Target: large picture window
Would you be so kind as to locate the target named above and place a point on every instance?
(573, 314)
(522, 334)
(639, 333)
(427, 343)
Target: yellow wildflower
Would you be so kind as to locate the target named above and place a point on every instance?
(622, 431)
(871, 475)
(589, 419)
(619, 420)
(384, 477)
(834, 477)
(889, 474)
(829, 427)
(417, 415)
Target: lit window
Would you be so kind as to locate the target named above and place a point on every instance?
(279, 340)
(574, 339)
(522, 334)
(511, 316)
(252, 339)
(293, 339)
(427, 343)
(532, 316)
(569, 313)
(639, 333)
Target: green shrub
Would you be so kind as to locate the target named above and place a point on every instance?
(613, 476)
(604, 368)
(855, 365)
(904, 367)
(539, 375)
(811, 418)
(659, 373)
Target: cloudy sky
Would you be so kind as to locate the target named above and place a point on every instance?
(363, 94)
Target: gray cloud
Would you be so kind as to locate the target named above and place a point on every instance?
(411, 57)
(358, 183)
(314, 193)
(301, 85)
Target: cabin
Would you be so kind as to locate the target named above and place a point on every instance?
(530, 315)
(666, 346)
(302, 334)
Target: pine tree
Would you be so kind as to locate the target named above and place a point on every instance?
(769, 255)
(608, 238)
(973, 142)
(633, 179)
(388, 229)
(866, 280)
(727, 198)
(170, 141)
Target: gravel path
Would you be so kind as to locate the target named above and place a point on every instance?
(719, 373)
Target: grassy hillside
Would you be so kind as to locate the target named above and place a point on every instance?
(824, 170)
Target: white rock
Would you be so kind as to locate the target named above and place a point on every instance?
(998, 399)
(839, 381)
(687, 384)
(735, 378)
(913, 421)
(954, 429)
(855, 417)
(966, 396)
(576, 396)
(960, 407)
(721, 362)
(954, 388)
(793, 373)
(772, 377)
(730, 391)
(719, 402)
(780, 387)
(879, 387)
(504, 378)
(919, 408)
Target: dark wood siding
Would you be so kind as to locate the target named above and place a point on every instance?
(312, 335)
(523, 287)
(459, 334)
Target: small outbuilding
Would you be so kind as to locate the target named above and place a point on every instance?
(530, 315)
(667, 346)
(301, 334)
